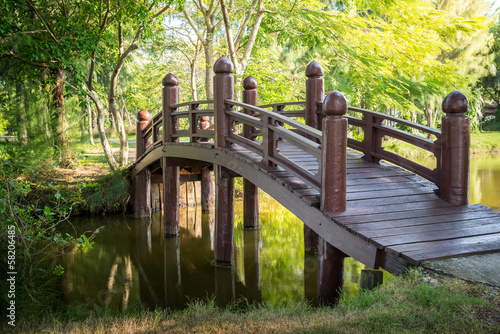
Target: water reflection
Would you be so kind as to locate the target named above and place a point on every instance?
(484, 179)
(132, 264)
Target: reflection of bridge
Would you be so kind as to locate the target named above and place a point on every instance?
(380, 214)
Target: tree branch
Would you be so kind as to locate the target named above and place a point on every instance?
(230, 44)
(43, 21)
(195, 28)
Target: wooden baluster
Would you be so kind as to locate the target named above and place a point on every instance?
(224, 183)
(142, 193)
(250, 191)
(193, 124)
(372, 142)
(455, 154)
(315, 92)
(170, 173)
(333, 193)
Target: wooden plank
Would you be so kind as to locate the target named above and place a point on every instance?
(442, 231)
(414, 225)
(379, 180)
(388, 194)
(386, 186)
(422, 211)
(448, 248)
(391, 208)
(373, 202)
(376, 175)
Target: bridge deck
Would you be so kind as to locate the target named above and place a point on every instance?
(396, 210)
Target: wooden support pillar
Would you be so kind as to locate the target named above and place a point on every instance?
(142, 182)
(224, 182)
(333, 193)
(455, 151)
(250, 191)
(170, 173)
(315, 92)
(330, 273)
(207, 191)
(370, 279)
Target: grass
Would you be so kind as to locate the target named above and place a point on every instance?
(408, 304)
(481, 143)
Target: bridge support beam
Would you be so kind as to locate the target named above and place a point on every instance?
(170, 199)
(330, 273)
(315, 92)
(207, 191)
(142, 182)
(333, 193)
(224, 216)
(170, 173)
(250, 191)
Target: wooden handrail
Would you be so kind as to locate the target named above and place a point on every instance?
(272, 127)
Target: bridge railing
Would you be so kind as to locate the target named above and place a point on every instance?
(259, 130)
(269, 129)
(192, 123)
(375, 126)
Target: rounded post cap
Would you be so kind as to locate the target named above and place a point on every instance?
(170, 80)
(250, 83)
(223, 65)
(314, 69)
(143, 116)
(335, 104)
(455, 103)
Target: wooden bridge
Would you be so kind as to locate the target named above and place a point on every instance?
(355, 197)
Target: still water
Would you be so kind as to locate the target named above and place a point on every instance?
(132, 264)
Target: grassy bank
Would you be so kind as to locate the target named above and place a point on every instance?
(410, 304)
(481, 143)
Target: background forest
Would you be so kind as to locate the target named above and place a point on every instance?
(72, 70)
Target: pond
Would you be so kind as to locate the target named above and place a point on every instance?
(132, 264)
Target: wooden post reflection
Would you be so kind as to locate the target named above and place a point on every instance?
(311, 277)
(252, 265)
(224, 285)
(172, 273)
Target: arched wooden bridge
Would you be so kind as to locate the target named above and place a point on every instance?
(360, 199)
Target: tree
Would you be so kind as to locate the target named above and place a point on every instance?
(489, 84)
(44, 39)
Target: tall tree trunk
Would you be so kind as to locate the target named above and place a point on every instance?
(22, 129)
(209, 69)
(83, 116)
(102, 133)
(194, 91)
(58, 119)
(91, 125)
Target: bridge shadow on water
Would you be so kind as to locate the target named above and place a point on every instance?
(131, 263)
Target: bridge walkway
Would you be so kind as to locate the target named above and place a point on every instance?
(395, 210)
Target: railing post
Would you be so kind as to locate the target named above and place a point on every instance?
(223, 89)
(455, 154)
(170, 173)
(334, 154)
(333, 194)
(250, 191)
(224, 183)
(142, 182)
(315, 92)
